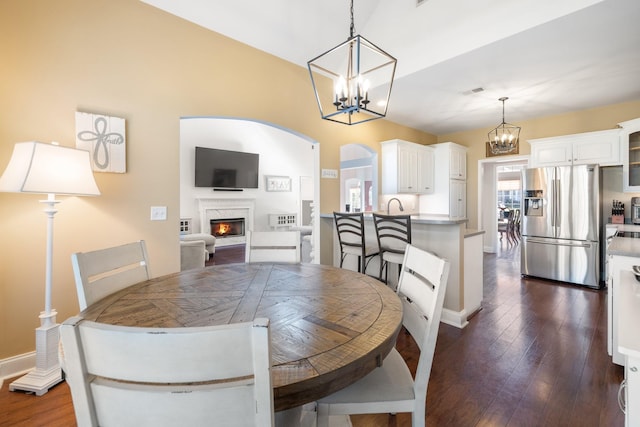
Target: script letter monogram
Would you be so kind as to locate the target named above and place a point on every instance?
(101, 138)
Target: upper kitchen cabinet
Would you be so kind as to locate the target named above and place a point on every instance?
(630, 142)
(407, 168)
(601, 147)
(450, 192)
(457, 160)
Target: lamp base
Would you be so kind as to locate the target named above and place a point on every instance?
(47, 372)
(37, 381)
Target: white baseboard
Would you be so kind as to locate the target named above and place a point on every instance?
(454, 318)
(489, 249)
(17, 365)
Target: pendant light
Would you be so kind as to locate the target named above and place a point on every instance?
(352, 82)
(504, 138)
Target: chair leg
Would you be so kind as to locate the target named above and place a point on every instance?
(322, 416)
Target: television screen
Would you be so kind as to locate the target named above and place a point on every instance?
(225, 169)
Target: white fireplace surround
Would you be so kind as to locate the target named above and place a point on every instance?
(226, 208)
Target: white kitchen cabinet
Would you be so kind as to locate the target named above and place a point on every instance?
(457, 161)
(449, 196)
(629, 345)
(407, 168)
(425, 177)
(632, 392)
(630, 145)
(601, 147)
(458, 198)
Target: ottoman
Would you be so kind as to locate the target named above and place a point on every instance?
(209, 240)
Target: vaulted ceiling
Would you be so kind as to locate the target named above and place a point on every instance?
(456, 57)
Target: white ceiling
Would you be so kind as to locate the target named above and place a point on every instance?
(547, 56)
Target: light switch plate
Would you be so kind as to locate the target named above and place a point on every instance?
(158, 213)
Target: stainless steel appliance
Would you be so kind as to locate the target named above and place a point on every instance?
(560, 224)
(635, 210)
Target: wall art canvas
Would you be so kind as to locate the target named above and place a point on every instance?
(278, 183)
(104, 137)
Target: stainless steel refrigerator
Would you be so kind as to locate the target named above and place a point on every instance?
(560, 224)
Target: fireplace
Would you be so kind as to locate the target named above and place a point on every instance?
(225, 209)
(227, 227)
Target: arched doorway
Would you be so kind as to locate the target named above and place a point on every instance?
(358, 178)
(284, 154)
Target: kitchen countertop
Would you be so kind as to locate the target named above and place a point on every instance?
(624, 246)
(629, 333)
(470, 232)
(418, 218)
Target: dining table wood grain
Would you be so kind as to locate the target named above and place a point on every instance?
(329, 326)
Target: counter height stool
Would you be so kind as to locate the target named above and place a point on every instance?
(350, 229)
(394, 233)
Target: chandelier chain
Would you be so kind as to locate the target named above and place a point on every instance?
(352, 28)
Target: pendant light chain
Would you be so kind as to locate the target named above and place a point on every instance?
(504, 98)
(352, 29)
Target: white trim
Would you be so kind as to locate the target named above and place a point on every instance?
(17, 365)
(454, 318)
(490, 242)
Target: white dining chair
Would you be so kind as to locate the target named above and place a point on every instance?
(273, 246)
(391, 387)
(102, 272)
(197, 376)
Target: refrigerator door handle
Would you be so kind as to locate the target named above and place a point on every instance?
(557, 243)
(553, 204)
(557, 203)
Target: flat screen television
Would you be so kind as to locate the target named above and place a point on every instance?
(226, 169)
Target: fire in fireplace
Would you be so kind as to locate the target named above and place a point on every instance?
(227, 227)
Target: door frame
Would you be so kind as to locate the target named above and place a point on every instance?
(487, 196)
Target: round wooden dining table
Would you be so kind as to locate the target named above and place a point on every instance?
(329, 326)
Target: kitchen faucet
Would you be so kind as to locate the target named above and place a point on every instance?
(389, 204)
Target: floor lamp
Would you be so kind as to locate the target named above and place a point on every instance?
(49, 169)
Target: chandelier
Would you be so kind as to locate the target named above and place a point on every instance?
(504, 138)
(352, 82)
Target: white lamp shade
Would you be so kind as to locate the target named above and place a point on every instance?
(41, 168)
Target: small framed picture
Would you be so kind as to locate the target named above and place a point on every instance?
(278, 183)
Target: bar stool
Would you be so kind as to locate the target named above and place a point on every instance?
(394, 233)
(350, 229)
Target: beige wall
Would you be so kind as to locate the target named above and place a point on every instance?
(127, 59)
(595, 119)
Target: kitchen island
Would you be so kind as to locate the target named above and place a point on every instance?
(444, 236)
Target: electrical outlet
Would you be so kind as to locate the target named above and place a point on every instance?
(158, 213)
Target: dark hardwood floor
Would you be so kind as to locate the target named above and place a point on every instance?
(535, 355)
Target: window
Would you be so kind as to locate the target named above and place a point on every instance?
(509, 189)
